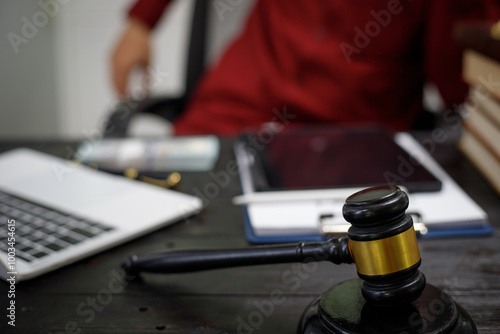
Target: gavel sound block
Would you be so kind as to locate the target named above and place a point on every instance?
(390, 295)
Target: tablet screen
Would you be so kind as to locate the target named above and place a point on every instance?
(316, 159)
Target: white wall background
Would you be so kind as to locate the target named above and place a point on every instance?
(58, 83)
(27, 78)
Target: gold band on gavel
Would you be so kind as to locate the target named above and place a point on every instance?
(386, 256)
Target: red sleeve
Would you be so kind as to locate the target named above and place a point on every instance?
(443, 55)
(148, 12)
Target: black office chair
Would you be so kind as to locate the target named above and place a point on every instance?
(167, 108)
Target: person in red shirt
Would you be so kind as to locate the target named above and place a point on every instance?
(312, 61)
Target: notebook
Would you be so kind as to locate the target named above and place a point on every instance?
(54, 212)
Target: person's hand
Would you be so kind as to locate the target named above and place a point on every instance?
(132, 50)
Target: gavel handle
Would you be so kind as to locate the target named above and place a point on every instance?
(335, 250)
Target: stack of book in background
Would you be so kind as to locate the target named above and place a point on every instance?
(480, 140)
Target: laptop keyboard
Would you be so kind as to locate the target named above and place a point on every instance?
(41, 231)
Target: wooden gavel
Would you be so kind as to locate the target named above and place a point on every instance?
(381, 242)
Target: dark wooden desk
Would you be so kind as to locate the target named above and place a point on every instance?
(85, 297)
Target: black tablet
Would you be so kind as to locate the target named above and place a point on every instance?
(316, 158)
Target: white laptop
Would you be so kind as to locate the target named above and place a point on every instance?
(54, 212)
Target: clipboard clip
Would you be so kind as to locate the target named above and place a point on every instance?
(329, 227)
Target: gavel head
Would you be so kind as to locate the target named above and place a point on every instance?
(384, 246)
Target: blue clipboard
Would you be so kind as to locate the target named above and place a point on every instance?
(479, 229)
(448, 213)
